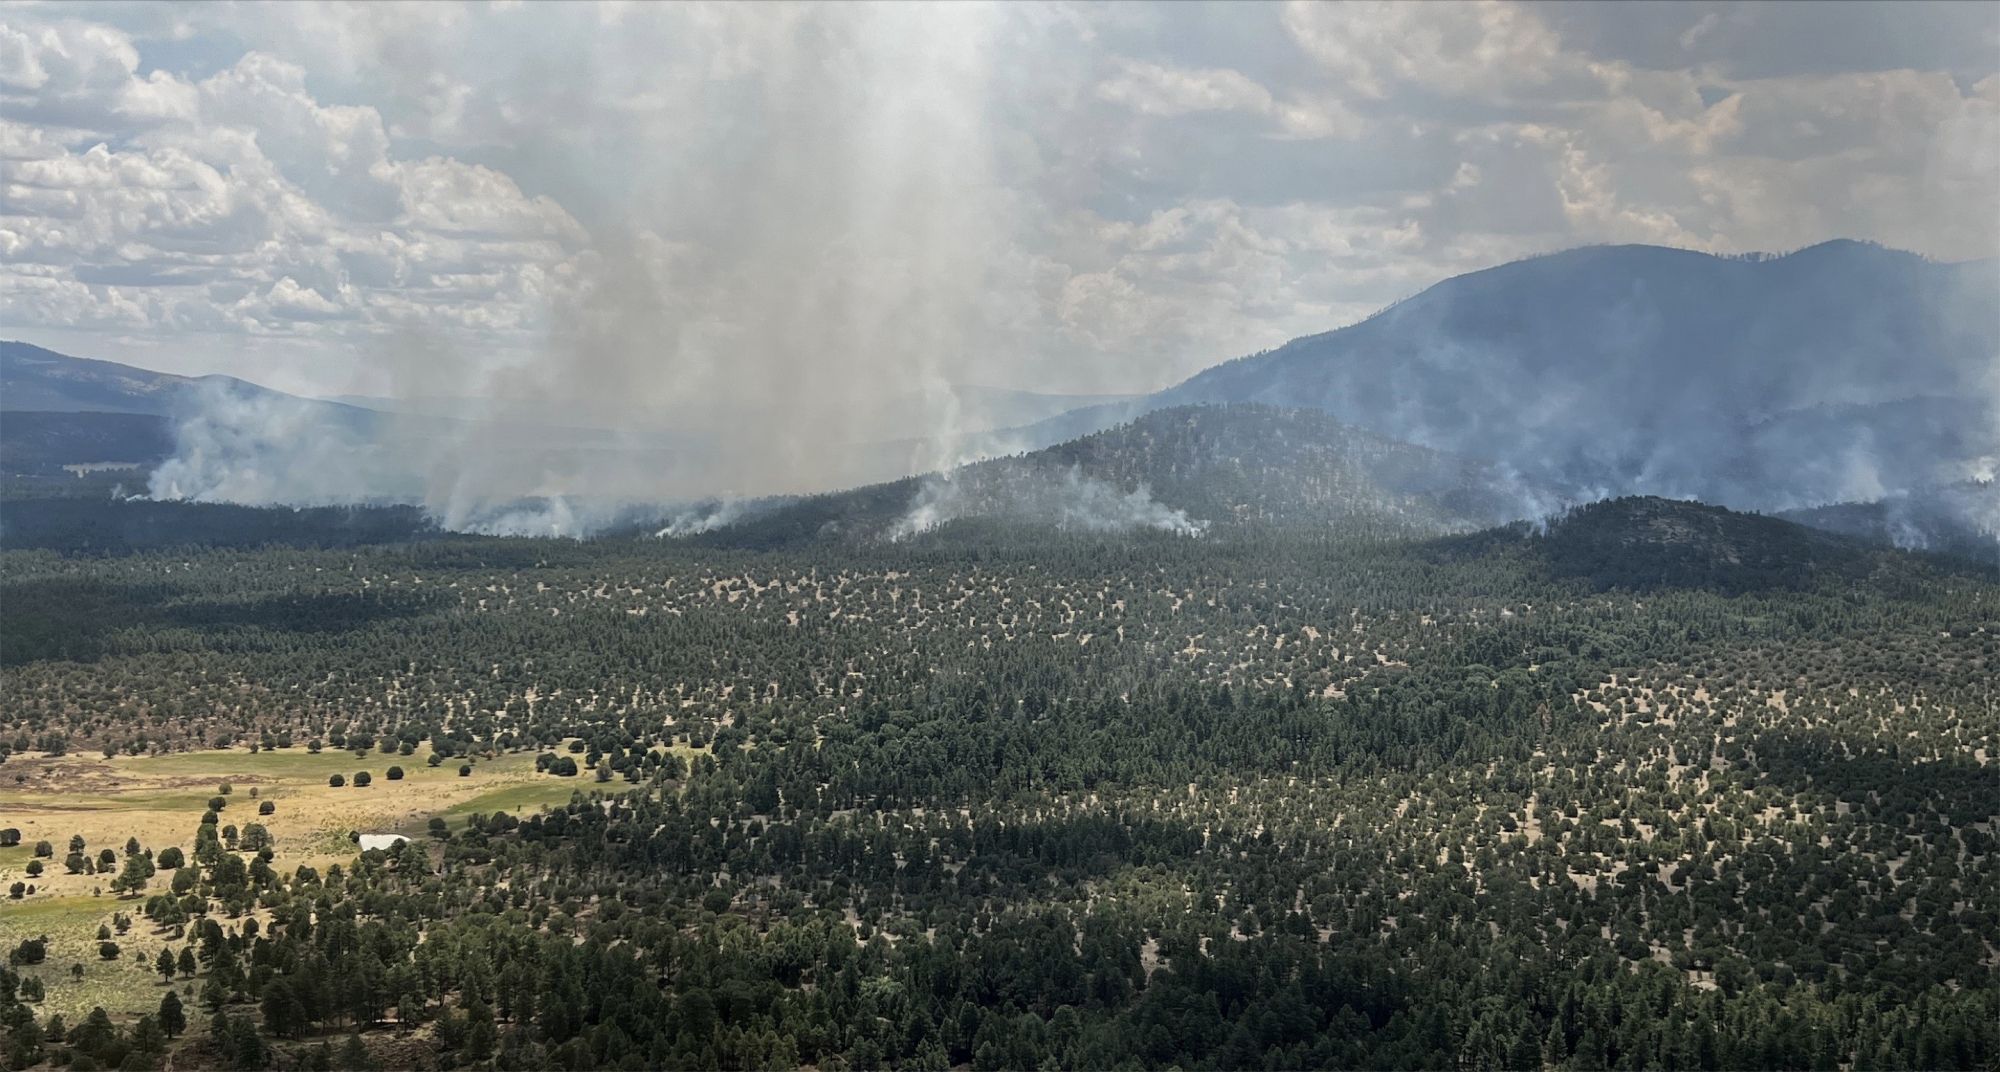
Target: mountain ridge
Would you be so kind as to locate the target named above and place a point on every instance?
(42, 380)
(1838, 372)
(1181, 469)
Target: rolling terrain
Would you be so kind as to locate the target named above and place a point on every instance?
(1187, 469)
(1658, 784)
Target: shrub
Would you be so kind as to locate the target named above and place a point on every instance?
(108, 950)
(337, 781)
(34, 869)
(171, 857)
(30, 951)
(465, 770)
(267, 808)
(362, 779)
(395, 774)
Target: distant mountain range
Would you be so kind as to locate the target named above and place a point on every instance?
(59, 414)
(1856, 387)
(33, 379)
(64, 419)
(1841, 372)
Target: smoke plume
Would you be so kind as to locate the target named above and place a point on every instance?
(1069, 501)
(824, 230)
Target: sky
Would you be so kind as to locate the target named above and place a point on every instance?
(765, 214)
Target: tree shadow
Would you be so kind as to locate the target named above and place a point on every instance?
(81, 620)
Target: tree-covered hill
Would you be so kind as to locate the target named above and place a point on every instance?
(1837, 372)
(1188, 469)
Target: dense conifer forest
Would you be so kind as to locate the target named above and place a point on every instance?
(1660, 786)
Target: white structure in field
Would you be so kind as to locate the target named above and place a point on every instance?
(381, 841)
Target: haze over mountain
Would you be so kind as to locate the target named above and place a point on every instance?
(34, 379)
(992, 536)
(978, 409)
(1841, 372)
(1188, 470)
(64, 418)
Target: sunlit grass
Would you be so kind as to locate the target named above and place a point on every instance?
(70, 924)
(160, 800)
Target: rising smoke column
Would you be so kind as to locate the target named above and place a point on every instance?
(826, 231)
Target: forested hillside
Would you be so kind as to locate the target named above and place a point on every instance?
(1183, 469)
(1660, 786)
(1841, 371)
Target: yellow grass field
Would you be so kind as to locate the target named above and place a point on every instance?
(160, 801)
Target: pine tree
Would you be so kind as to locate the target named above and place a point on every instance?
(173, 1019)
(148, 1037)
(353, 1056)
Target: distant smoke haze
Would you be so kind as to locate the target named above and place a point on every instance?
(696, 250)
(757, 331)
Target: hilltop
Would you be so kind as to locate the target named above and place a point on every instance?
(1184, 469)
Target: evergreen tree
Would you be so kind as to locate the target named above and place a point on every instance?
(173, 1019)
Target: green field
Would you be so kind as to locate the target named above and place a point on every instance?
(160, 801)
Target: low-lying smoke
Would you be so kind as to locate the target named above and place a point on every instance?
(261, 448)
(1070, 501)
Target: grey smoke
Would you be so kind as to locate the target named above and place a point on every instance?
(260, 447)
(814, 228)
(1840, 372)
(1067, 500)
(1845, 372)
(710, 516)
(748, 325)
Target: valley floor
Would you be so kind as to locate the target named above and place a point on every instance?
(1285, 800)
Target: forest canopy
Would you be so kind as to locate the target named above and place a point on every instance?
(1662, 786)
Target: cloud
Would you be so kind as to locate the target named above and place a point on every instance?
(1476, 47)
(753, 223)
(243, 179)
(1155, 90)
